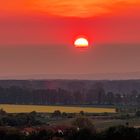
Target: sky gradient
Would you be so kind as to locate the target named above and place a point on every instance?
(36, 36)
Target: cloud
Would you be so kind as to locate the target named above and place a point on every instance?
(68, 8)
(84, 8)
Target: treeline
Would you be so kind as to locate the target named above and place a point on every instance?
(93, 96)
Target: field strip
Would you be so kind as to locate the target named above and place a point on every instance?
(50, 109)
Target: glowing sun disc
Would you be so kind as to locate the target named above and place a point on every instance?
(81, 43)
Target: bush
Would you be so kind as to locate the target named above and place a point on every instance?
(137, 114)
(83, 123)
(56, 113)
(2, 112)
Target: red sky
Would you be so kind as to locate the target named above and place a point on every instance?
(52, 25)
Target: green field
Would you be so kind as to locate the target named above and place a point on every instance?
(102, 124)
(50, 109)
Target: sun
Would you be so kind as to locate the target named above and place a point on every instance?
(81, 43)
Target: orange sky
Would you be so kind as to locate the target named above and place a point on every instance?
(36, 36)
(40, 21)
(74, 8)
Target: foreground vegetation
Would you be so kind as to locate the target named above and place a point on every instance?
(112, 133)
(69, 126)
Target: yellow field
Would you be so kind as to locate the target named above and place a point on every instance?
(50, 109)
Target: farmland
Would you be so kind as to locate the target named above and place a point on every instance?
(51, 109)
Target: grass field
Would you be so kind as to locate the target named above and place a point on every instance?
(101, 124)
(50, 109)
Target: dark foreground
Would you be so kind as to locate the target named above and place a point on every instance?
(63, 126)
(113, 133)
(30, 127)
